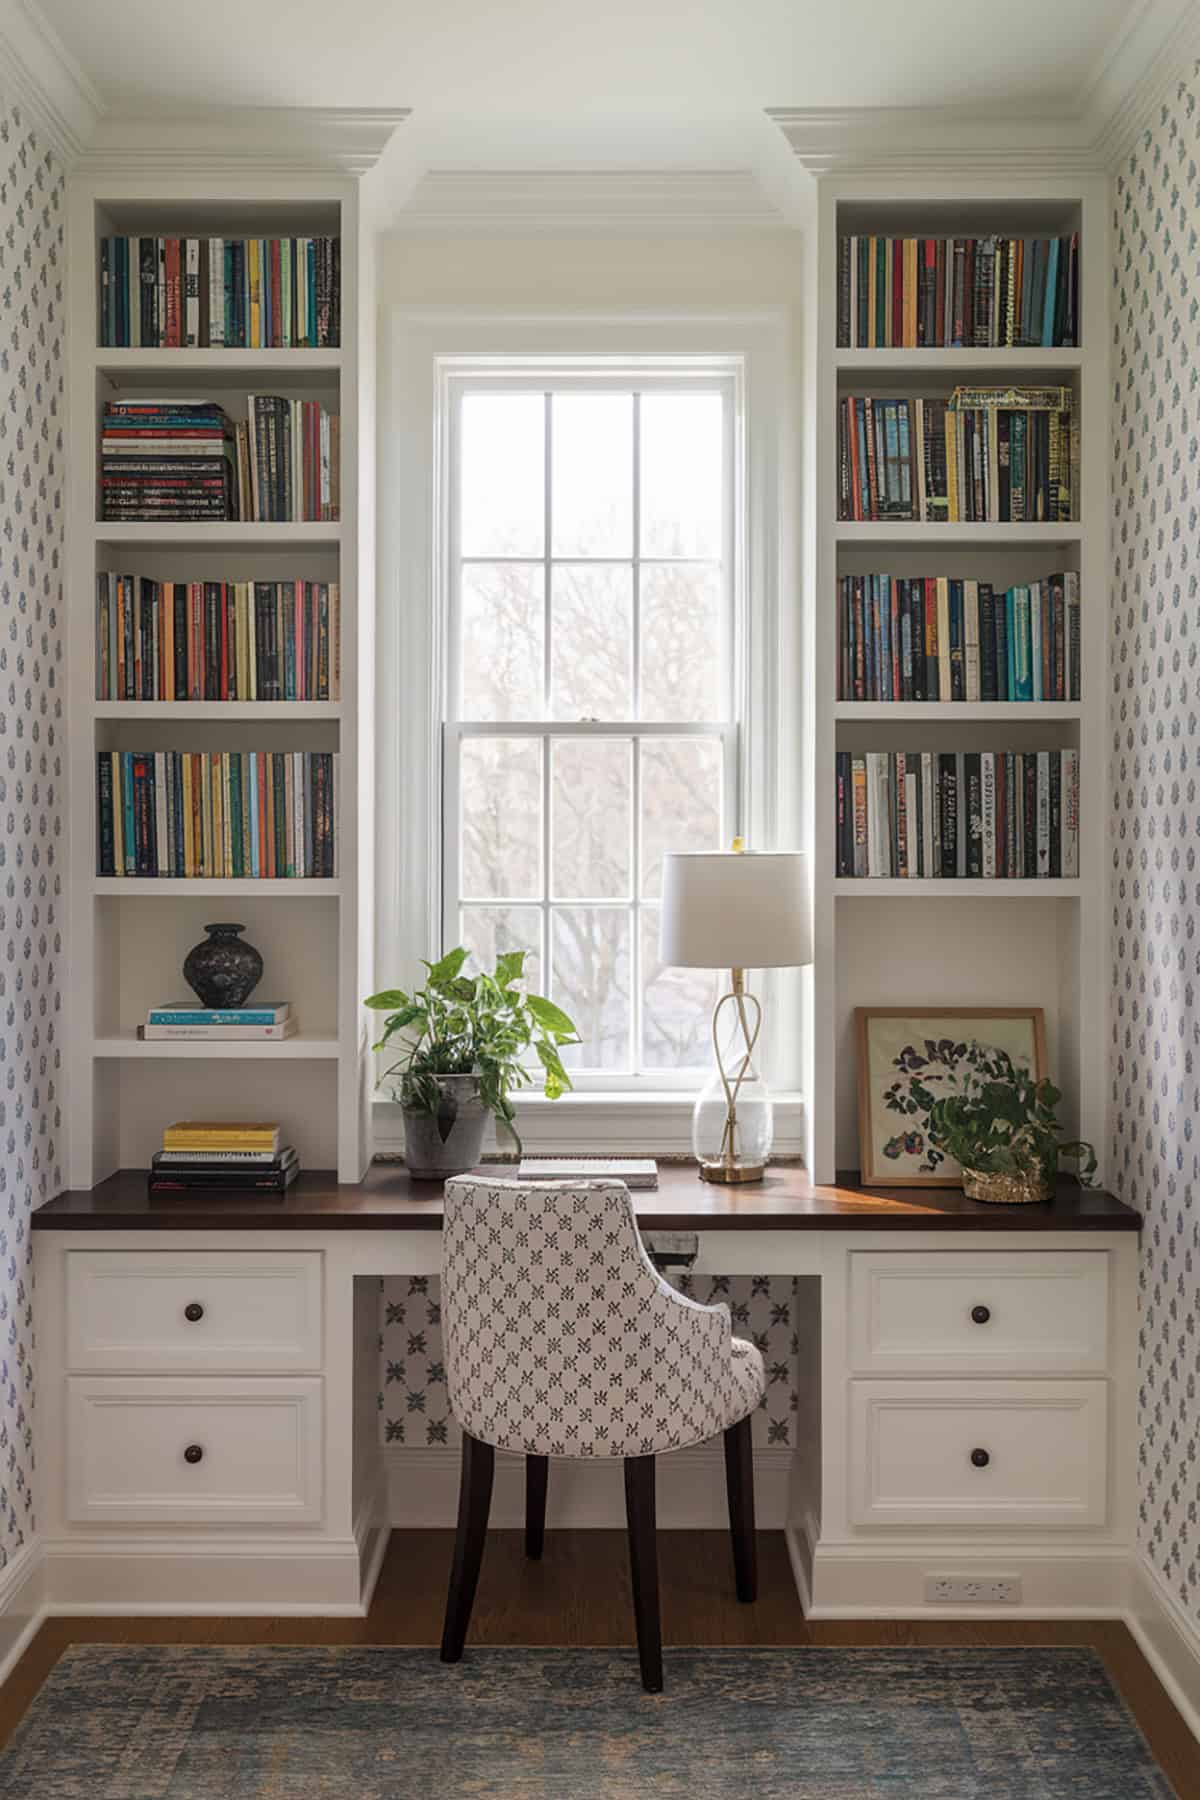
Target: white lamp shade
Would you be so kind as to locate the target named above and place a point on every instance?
(731, 910)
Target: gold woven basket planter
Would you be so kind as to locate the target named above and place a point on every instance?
(1006, 1190)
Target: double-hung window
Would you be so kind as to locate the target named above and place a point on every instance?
(592, 632)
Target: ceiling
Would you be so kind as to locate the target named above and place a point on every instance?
(602, 84)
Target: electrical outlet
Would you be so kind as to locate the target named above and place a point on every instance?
(973, 1590)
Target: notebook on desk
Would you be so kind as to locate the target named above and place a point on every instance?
(635, 1172)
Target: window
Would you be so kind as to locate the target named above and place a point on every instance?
(592, 637)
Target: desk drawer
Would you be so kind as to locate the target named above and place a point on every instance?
(180, 1452)
(210, 1310)
(979, 1311)
(978, 1453)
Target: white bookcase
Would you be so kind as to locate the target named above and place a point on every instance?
(127, 938)
(965, 942)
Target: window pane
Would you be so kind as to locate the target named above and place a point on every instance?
(682, 475)
(677, 1006)
(501, 815)
(591, 641)
(592, 458)
(490, 932)
(502, 486)
(682, 649)
(590, 980)
(681, 781)
(591, 818)
(502, 626)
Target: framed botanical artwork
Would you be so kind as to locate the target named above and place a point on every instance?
(906, 1059)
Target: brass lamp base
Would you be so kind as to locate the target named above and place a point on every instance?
(731, 1172)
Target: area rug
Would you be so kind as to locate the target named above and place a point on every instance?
(150, 1722)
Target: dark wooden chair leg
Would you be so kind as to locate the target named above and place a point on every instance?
(643, 1564)
(474, 1504)
(739, 1486)
(537, 1469)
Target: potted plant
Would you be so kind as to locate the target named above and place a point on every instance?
(465, 1043)
(1000, 1125)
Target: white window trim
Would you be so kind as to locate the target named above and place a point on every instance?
(419, 347)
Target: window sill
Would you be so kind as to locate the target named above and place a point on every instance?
(649, 1124)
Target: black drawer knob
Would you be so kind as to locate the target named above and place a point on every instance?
(193, 1312)
(980, 1459)
(194, 1454)
(981, 1314)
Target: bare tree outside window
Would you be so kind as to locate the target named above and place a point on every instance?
(590, 711)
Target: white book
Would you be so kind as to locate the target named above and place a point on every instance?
(1035, 639)
(1043, 812)
(191, 291)
(928, 866)
(216, 292)
(987, 784)
(971, 640)
(635, 1172)
(912, 835)
(221, 1034)
(873, 804)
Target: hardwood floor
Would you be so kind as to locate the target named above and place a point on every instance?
(579, 1594)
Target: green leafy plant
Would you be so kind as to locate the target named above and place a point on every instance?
(482, 1025)
(998, 1120)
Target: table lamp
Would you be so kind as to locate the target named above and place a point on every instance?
(735, 910)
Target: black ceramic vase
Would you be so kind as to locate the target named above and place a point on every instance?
(223, 970)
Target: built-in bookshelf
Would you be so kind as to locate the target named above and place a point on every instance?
(218, 657)
(954, 652)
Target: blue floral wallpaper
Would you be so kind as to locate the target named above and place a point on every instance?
(413, 1409)
(1155, 880)
(31, 772)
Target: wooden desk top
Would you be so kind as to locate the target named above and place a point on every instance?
(389, 1199)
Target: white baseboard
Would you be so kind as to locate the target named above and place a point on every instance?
(22, 1603)
(422, 1485)
(1168, 1639)
(199, 1577)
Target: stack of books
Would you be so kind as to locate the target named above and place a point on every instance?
(187, 1021)
(288, 452)
(929, 637)
(1007, 815)
(166, 459)
(216, 640)
(985, 454)
(258, 814)
(160, 293)
(956, 293)
(198, 1155)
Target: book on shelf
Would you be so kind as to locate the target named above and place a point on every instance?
(246, 814)
(990, 292)
(932, 637)
(216, 640)
(218, 1034)
(170, 1174)
(980, 455)
(185, 459)
(947, 815)
(165, 293)
(223, 1135)
(191, 1012)
(634, 1171)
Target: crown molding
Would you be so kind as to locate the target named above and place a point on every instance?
(1088, 133)
(588, 201)
(41, 75)
(258, 140)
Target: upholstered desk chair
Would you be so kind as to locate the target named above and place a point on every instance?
(561, 1339)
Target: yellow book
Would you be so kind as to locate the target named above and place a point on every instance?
(206, 1134)
(951, 424)
(910, 293)
(253, 256)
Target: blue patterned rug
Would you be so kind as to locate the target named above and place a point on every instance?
(149, 1722)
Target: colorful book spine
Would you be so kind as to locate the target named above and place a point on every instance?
(217, 293)
(951, 293)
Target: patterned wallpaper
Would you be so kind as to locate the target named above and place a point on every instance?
(31, 772)
(1155, 721)
(413, 1409)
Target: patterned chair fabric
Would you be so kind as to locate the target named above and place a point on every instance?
(563, 1340)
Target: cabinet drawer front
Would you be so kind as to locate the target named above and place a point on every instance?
(990, 1311)
(978, 1452)
(197, 1310)
(178, 1452)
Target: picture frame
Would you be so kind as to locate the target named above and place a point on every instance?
(893, 1044)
